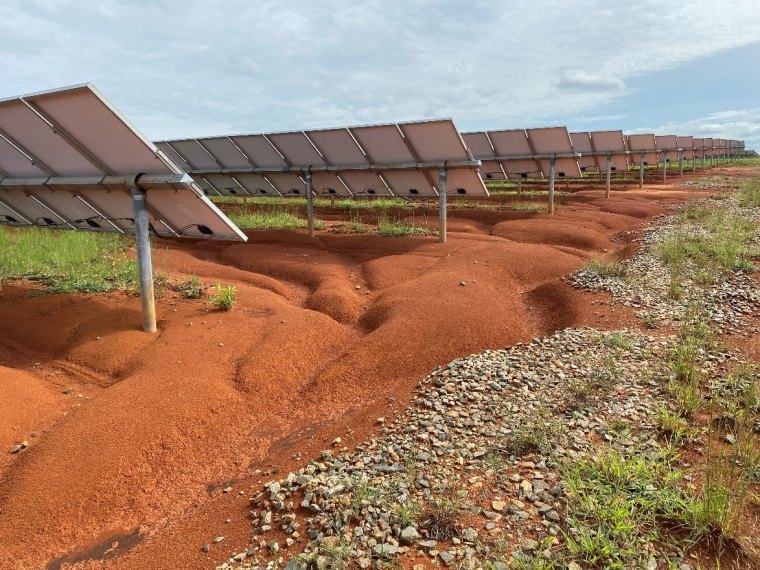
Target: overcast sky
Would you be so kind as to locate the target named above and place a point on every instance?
(181, 68)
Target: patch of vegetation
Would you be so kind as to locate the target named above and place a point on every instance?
(270, 220)
(67, 260)
(534, 437)
(223, 298)
(605, 267)
(750, 194)
(528, 207)
(190, 289)
(711, 242)
(686, 360)
(441, 521)
(618, 505)
(395, 228)
(617, 339)
(257, 202)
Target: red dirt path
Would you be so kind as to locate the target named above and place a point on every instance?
(128, 469)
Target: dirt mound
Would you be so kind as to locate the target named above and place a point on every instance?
(329, 333)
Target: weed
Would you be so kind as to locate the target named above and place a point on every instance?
(407, 512)
(494, 461)
(441, 520)
(673, 427)
(750, 194)
(190, 289)
(530, 438)
(606, 268)
(615, 506)
(397, 228)
(66, 260)
(223, 298)
(270, 220)
(617, 340)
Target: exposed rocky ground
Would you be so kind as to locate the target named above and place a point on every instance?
(475, 474)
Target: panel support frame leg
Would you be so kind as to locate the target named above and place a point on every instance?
(443, 179)
(641, 171)
(144, 259)
(309, 203)
(664, 169)
(680, 164)
(550, 209)
(519, 187)
(608, 176)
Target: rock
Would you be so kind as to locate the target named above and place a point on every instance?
(409, 535)
(498, 506)
(206, 547)
(294, 565)
(446, 557)
(385, 551)
(470, 534)
(218, 539)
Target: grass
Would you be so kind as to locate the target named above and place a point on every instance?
(617, 506)
(606, 267)
(190, 289)
(717, 245)
(340, 203)
(397, 228)
(66, 260)
(749, 196)
(266, 220)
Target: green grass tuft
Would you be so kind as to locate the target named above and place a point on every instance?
(270, 220)
(396, 228)
(67, 260)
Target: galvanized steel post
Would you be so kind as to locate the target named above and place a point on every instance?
(551, 185)
(609, 176)
(680, 163)
(144, 261)
(664, 167)
(442, 189)
(641, 171)
(309, 203)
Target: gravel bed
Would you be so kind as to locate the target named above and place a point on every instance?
(646, 282)
(482, 441)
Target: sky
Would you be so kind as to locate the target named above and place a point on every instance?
(185, 68)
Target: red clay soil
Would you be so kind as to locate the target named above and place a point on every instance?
(127, 469)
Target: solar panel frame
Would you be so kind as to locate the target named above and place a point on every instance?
(612, 142)
(667, 145)
(646, 143)
(81, 144)
(582, 143)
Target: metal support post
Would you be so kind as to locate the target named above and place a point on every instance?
(309, 203)
(703, 161)
(680, 164)
(609, 176)
(442, 189)
(144, 262)
(641, 171)
(694, 162)
(519, 187)
(664, 168)
(551, 186)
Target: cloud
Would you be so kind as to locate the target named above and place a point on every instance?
(193, 67)
(588, 82)
(740, 124)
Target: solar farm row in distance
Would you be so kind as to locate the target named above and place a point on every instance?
(375, 160)
(67, 159)
(519, 153)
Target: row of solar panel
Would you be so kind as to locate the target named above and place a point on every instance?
(66, 156)
(355, 160)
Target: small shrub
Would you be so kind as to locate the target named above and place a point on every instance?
(223, 298)
(190, 289)
(441, 520)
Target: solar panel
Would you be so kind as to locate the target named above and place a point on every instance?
(70, 160)
(550, 141)
(582, 144)
(667, 145)
(480, 147)
(47, 138)
(514, 142)
(687, 144)
(611, 142)
(638, 144)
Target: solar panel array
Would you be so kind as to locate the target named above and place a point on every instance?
(66, 157)
(374, 160)
(524, 153)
